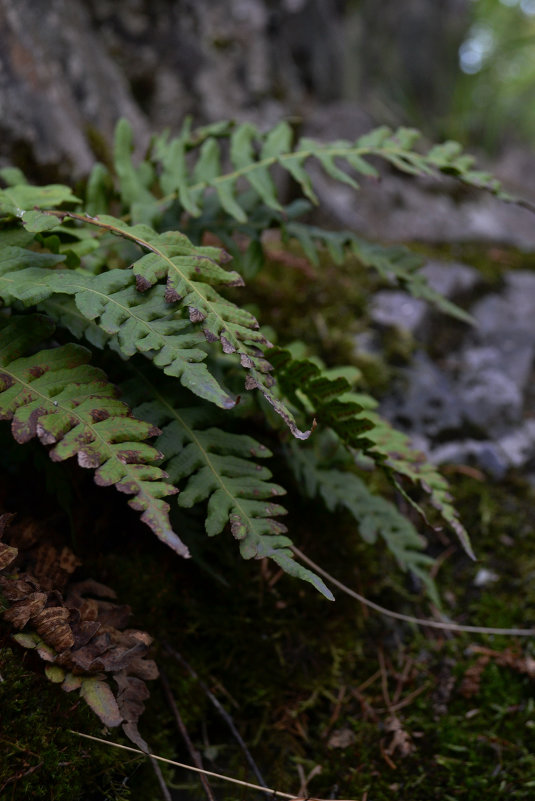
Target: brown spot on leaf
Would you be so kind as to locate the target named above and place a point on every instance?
(227, 346)
(250, 382)
(142, 284)
(246, 361)
(6, 381)
(171, 295)
(195, 315)
(210, 337)
(45, 437)
(224, 256)
(36, 371)
(99, 414)
(89, 458)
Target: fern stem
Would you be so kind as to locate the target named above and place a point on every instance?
(435, 624)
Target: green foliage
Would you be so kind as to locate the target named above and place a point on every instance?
(135, 285)
(58, 397)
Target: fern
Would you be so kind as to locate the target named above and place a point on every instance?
(145, 288)
(58, 397)
(253, 154)
(217, 466)
(352, 417)
(375, 516)
(126, 320)
(395, 264)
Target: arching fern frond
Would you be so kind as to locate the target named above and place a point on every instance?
(56, 395)
(190, 274)
(129, 321)
(396, 264)
(351, 416)
(253, 154)
(375, 516)
(220, 467)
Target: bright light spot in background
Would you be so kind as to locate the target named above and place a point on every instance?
(474, 52)
(528, 6)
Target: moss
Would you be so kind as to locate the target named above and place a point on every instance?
(39, 757)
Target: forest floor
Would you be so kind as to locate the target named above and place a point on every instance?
(332, 700)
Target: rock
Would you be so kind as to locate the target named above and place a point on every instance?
(57, 83)
(519, 445)
(426, 402)
(482, 453)
(393, 308)
(451, 279)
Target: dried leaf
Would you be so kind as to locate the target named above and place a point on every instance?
(401, 741)
(8, 554)
(51, 624)
(341, 738)
(54, 674)
(21, 611)
(100, 698)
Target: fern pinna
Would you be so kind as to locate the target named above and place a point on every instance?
(156, 283)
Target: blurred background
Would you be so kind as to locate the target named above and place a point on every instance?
(462, 69)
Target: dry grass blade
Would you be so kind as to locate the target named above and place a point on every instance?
(274, 794)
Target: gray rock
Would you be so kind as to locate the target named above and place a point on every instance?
(396, 308)
(519, 445)
(427, 402)
(451, 279)
(482, 453)
(490, 400)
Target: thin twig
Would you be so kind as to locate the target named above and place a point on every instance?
(161, 781)
(194, 754)
(273, 793)
(435, 624)
(222, 711)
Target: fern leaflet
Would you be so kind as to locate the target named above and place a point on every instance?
(394, 263)
(58, 397)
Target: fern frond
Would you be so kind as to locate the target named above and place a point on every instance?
(129, 321)
(352, 418)
(219, 467)
(190, 273)
(57, 396)
(376, 516)
(23, 201)
(253, 154)
(396, 264)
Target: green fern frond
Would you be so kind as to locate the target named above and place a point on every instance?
(57, 396)
(129, 321)
(396, 264)
(219, 467)
(253, 154)
(190, 273)
(23, 201)
(376, 516)
(351, 416)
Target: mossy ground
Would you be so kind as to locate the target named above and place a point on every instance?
(308, 683)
